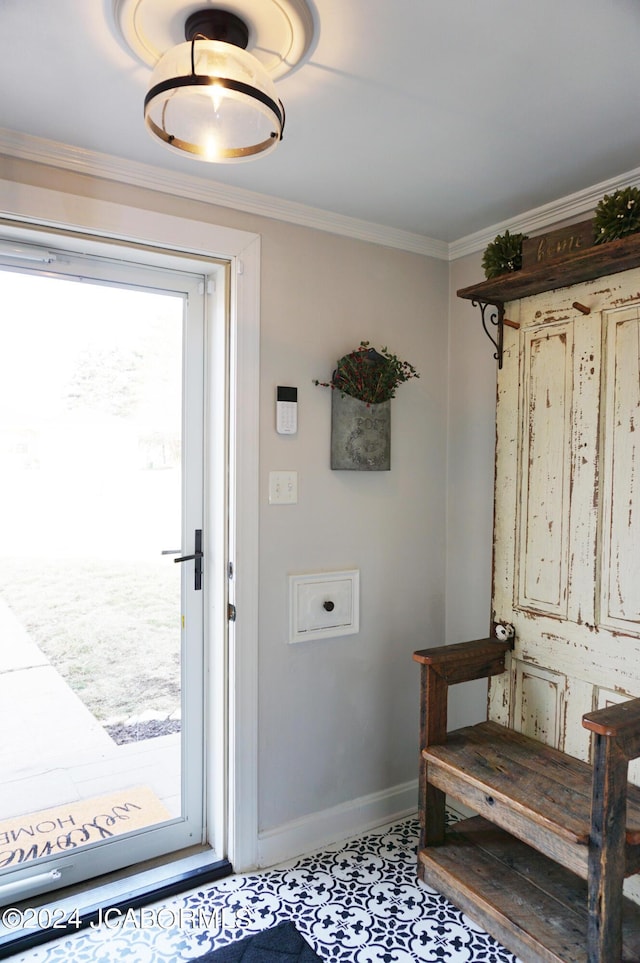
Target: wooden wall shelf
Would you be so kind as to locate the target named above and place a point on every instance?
(599, 261)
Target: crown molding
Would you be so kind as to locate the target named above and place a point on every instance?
(548, 215)
(54, 154)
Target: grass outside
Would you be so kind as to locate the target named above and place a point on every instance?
(112, 630)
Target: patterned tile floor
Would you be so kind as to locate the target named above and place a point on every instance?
(356, 902)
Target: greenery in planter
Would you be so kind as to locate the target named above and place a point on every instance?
(617, 215)
(369, 375)
(503, 254)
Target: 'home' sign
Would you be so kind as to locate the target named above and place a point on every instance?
(563, 243)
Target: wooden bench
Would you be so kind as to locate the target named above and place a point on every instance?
(541, 867)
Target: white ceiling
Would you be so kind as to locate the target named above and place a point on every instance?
(437, 117)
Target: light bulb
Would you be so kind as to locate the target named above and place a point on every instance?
(211, 148)
(217, 96)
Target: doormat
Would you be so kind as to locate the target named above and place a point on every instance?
(279, 944)
(52, 832)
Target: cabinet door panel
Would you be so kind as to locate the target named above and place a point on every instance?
(567, 507)
(543, 545)
(620, 581)
(539, 710)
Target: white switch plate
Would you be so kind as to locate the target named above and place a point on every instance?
(324, 605)
(283, 487)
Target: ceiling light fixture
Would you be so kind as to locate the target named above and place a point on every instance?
(210, 98)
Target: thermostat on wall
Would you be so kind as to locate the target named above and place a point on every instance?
(286, 410)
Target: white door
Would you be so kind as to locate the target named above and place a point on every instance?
(102, 657)
(567, 509)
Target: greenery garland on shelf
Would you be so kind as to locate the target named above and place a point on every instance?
(369, 375)
(503, 254)
(617, 215)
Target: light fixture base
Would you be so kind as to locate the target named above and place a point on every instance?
(217, 25)
(282, 33)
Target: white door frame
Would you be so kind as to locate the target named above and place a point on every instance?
(43, 208)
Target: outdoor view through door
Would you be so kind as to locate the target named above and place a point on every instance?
(101, 642)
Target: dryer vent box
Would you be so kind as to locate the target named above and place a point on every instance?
(324, 605)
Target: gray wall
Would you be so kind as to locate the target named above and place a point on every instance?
(338, 718)
(471, 443)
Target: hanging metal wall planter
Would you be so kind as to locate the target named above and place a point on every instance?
(363, 384)
(360, 434)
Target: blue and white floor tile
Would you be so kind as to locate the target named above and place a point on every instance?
(356, 902)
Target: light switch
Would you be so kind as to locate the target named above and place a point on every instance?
(324, 605)
(283, 487)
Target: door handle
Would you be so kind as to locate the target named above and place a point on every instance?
(197, 556)
(187, 558)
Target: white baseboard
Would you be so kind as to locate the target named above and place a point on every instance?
(320, 829)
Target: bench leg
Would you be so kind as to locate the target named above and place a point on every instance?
(607, 852)
(433, 730)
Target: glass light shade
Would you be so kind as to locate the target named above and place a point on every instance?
(225, 109)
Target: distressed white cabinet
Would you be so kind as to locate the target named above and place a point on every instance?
(566, 575)
(567, 499)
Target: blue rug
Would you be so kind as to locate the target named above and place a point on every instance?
(280, 944)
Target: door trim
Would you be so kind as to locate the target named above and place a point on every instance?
(33, 209)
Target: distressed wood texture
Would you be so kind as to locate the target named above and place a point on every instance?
(620, 599)
(536, 908)
(562, 243)
(567, 512)
(439, 668)
(584, 818)
(543, 545)
(601, 261)
(567, 576)
(539, 794)
(540, 703)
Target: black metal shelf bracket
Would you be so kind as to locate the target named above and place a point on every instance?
(494, 317)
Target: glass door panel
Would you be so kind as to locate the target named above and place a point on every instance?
(99, 628)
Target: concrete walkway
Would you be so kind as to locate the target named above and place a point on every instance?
(52, 749)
